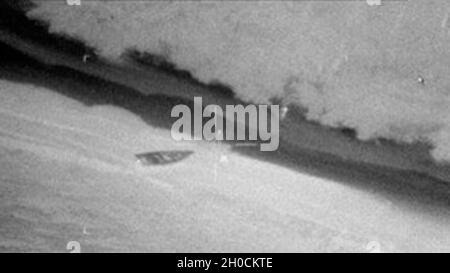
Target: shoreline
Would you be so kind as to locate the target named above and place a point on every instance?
(296, 133)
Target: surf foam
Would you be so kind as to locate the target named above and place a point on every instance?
(381, 70)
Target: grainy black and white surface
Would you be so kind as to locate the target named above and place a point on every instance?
(70, 130)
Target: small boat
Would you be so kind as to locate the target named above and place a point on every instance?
(162, 157)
